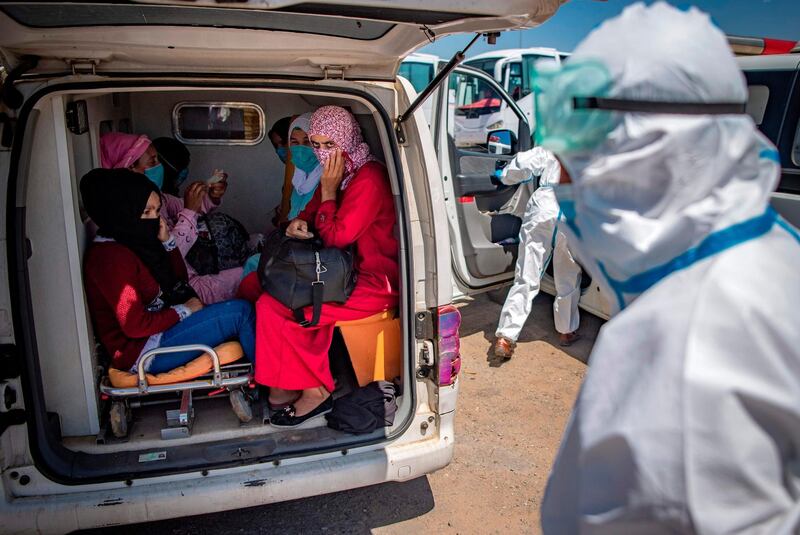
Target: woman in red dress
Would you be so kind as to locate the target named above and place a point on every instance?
(352, 205)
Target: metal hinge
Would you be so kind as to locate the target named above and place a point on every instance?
(334, 72)
(83, 66)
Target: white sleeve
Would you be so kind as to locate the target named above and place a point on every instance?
(526, 165)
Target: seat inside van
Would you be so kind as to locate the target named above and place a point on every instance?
(62, 145)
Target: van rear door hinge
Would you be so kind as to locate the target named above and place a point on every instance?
(334, 72)
(83, 65)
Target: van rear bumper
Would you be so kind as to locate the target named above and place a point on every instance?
(234, 488)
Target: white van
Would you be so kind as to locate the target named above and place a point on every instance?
(74, 71)
(512, 69)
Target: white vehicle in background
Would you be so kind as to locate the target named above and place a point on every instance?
(419, 69)
(511, 68)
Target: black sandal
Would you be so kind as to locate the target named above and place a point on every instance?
(286, 417)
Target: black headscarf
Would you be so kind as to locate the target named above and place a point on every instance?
(175, 157)
(115, 200)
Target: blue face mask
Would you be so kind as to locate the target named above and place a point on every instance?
(282, 153)
(156, 175)
(181, 178)
(303, 158)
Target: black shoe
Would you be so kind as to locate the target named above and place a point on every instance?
(286, 417)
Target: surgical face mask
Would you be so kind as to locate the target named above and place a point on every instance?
(181, 177)
(282, 153)
(156, 175)
(303, 158)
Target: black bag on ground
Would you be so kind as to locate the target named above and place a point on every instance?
(222, 243)
(301, 273)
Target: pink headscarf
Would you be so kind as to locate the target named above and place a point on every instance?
(118, 150)
(340, 126)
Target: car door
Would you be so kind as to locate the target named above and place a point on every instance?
(484, 215)
(774, 105)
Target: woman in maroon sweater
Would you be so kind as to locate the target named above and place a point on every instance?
(353, 205)
(135, 279)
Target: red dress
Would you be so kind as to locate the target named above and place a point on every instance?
(295, 358)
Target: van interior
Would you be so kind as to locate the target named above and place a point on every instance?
(62, 144)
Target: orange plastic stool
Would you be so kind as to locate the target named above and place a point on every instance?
(375, 346)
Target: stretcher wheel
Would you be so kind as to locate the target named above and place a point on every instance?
(118, 416)
(241, 406)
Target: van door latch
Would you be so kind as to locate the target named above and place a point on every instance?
(83, 66)
(334, 72)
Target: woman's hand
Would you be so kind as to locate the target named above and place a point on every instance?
(163, 230)
(217, 185)
(299, 229)
(193, 197)
(332, 175)
(194, 304)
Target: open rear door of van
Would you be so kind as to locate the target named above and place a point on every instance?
(355, 40)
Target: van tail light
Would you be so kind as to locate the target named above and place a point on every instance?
(449, 342)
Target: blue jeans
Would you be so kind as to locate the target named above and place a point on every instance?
(211, 326)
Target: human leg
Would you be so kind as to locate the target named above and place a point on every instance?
(535, 240)
(567, 275)
(210, 326)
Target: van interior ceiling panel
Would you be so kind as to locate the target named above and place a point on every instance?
(70, 368)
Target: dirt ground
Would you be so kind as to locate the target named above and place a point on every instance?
(509, 423)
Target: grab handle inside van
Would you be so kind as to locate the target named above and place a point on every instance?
(141, 363)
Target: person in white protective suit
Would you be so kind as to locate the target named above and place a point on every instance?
(689, 417)
(540, 238)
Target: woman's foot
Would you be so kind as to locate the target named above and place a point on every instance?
(503, 348)
(280, 398)
(567, 339)
(312, 403)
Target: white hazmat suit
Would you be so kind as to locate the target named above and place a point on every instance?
(689, 417)
(536, 239)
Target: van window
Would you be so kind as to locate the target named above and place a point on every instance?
(419, 74)
(515, 86)
(758, 96)
(476, 108)
(218, 123)
(486, 65)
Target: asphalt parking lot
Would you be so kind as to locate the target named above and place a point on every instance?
(509, 423)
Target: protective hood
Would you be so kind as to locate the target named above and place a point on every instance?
(642, 201)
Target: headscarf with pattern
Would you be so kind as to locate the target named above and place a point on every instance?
(340, 126)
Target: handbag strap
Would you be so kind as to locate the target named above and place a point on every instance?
(317, 293)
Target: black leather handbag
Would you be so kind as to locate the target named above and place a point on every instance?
(302, 273)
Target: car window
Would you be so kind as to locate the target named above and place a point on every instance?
(514, 75)
(758, 96)
(774, 100)
(218, 123)
(419, 74)
(475, 108)
(486, 65)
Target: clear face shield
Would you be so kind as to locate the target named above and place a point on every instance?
(574, 113)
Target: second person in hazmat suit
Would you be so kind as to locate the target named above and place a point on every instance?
(540, 239)
(688, 420)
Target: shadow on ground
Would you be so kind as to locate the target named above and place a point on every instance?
(356, 512)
